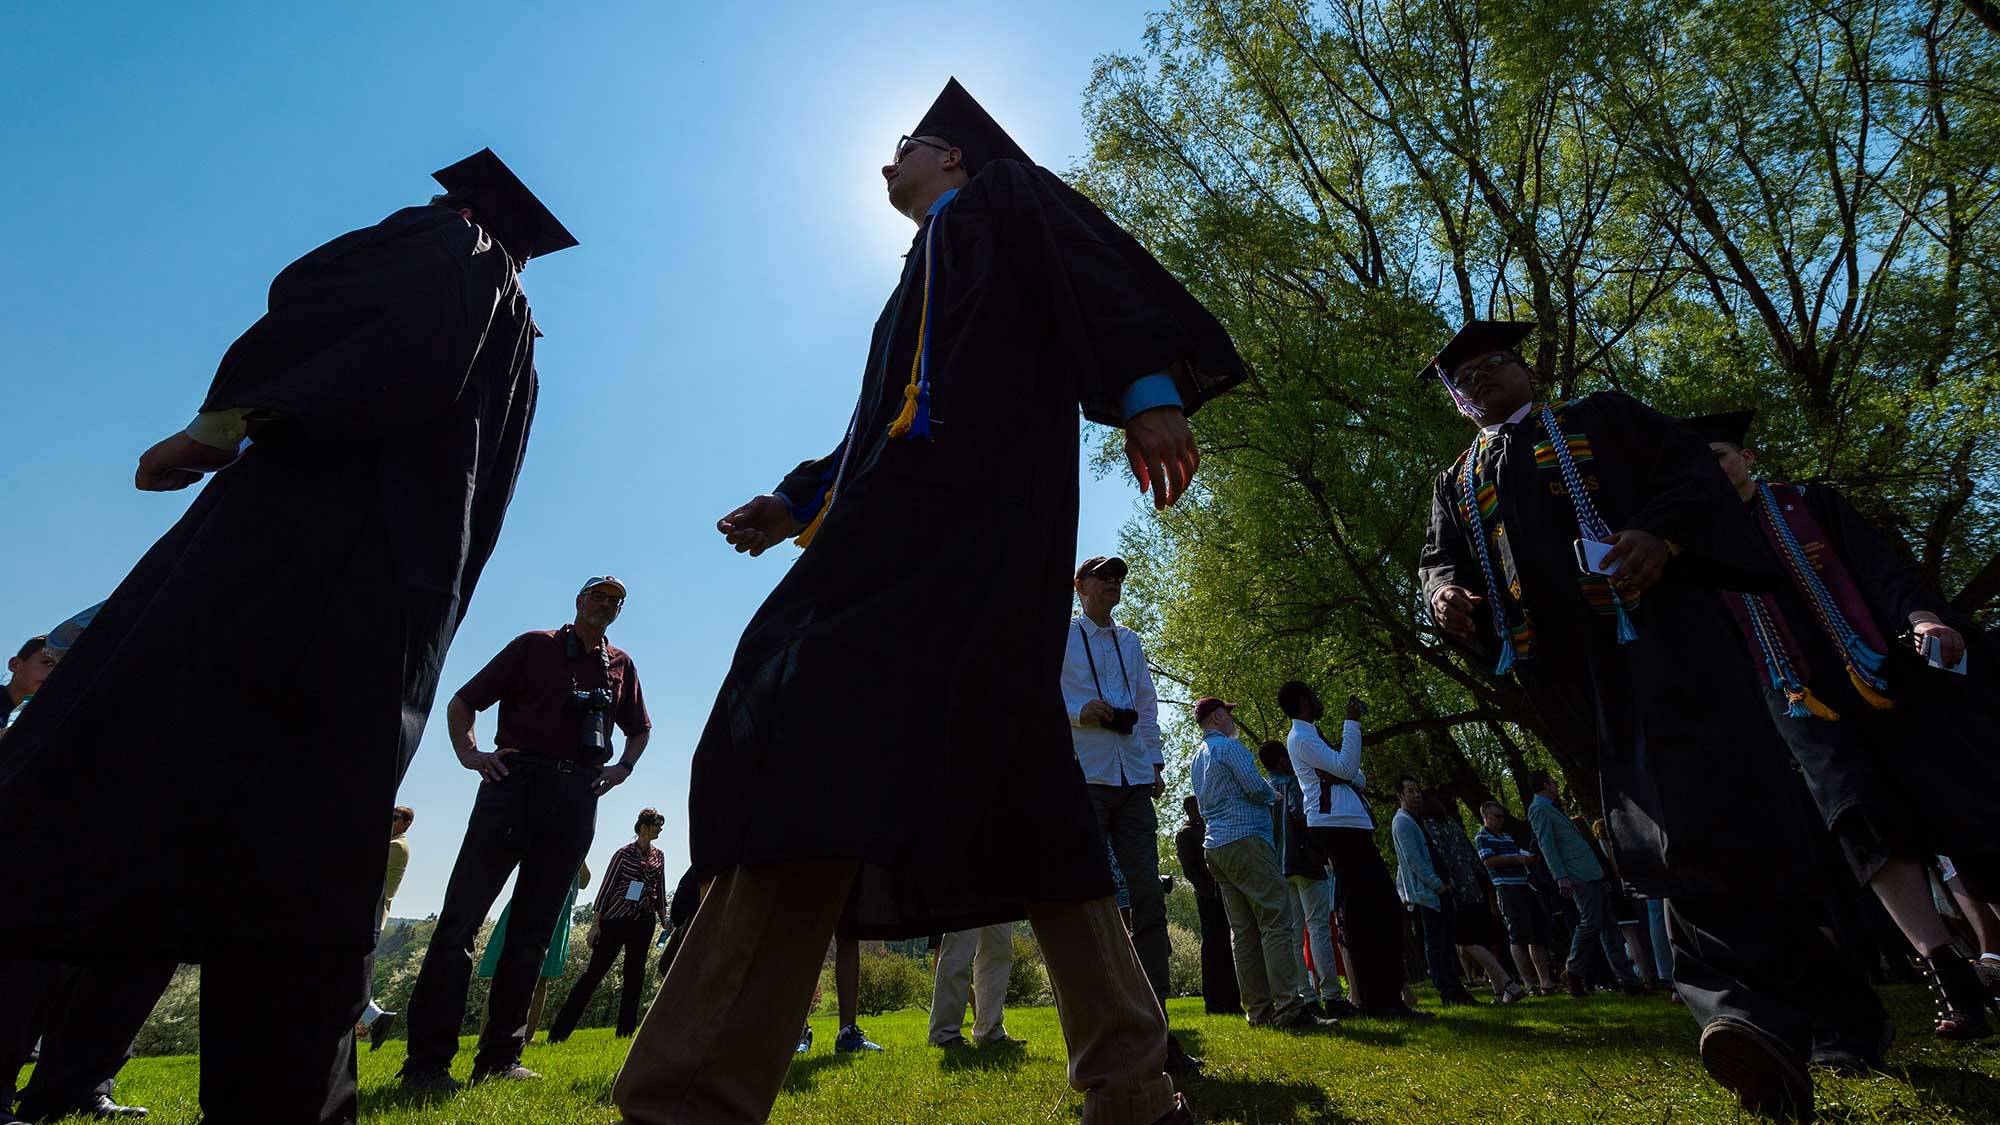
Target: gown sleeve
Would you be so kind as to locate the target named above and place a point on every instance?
(1122, 316)
(1446, 560)
(371, 333)
(1682, 497)
(804, 488)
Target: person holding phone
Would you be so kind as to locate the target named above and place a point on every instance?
(1634, 665)
(1898, 761)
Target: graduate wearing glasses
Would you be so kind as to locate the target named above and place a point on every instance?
(1578, 547)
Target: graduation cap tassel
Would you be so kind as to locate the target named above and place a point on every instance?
(1506, 662)
(1626, 633)
(805, 538)
(1868, 692)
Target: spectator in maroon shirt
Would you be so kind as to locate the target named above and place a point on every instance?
(560, 691)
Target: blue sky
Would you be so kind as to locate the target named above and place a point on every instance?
(719, 165)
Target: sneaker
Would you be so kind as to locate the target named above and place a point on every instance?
(431, 1080)
(1004, 1042)
(805, 1040)
(851, 1039)
(512, 1072)
(379, 1030)
(1765, 1077)
(955, 1043)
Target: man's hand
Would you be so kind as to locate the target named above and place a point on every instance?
(178, 461)
(1641, 558)
(609, 778)
(1951, 645)
(1095, 713)
(1161, 450)
(1355, 708)
(759, 525)
(593, 933)
(1453, 608)
(1567, 886)
(1159, 782)
(489, 767)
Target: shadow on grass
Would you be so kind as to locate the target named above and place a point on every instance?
(803, 1073)
(1970, 1094)
(394, 1096)
(1263, 1100)
(994, 1060)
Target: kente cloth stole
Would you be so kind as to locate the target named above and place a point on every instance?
(1823, 580)
(915, 418)
(1479, 503)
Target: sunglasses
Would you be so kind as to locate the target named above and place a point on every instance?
(656, 822)
(605, 599)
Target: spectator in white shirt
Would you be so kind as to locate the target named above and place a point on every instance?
(1339, 825)
(1114, 718)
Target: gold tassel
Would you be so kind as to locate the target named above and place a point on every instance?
(804, 538)
(901, 426)
(1816, 707)
(1875, 698)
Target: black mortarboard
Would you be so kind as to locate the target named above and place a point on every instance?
(1730, 427)
(966, 124)
(1476, 339)
(503, 206)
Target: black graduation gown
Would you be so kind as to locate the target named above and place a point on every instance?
(214, 761)
(1917, 780)
(1699, 796)
(896, 699)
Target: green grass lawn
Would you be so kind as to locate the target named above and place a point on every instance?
(1604, 1059)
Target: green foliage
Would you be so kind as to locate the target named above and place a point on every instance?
(1183, 961)
(1028, 979)
(1744, 202)
(888, 981)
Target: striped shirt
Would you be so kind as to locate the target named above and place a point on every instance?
(1233, 797)
(1490, 844)
(628, 866)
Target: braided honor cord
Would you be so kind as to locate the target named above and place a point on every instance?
(1587, 520)
(1469, 500)
(1864, 664)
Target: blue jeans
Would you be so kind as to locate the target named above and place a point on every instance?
(1656, 926)
(1595, 923)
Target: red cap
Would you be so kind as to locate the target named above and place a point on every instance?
(1208, 705)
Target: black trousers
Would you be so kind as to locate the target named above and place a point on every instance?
(634, 938)
(85, 1016)
(277, 1035)
(1440, 950)
(1370, 916)
(1765, 962)
(541, 818)
(1220, 993)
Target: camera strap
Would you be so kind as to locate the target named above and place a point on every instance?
(1115, 647)
(573, 647)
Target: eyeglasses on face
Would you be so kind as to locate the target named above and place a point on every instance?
(604, 599)
(1464, 376)
(906, 144)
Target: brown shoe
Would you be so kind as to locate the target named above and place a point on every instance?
(1180, 1114)
(1764, 1076)
(1575, 985)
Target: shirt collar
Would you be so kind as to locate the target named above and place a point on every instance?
(1094, 627)
(1212, 735)
(1541, 800)
(949, 193)
(1517, 416)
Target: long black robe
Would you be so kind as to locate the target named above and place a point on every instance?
(1913, 781)
(213, 762)
(1698, 794)
(896, 699)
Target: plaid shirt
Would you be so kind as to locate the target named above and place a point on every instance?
(1234, 798)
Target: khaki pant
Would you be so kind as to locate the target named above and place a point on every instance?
(715, 1044)
(1258, 901)
(984, 959)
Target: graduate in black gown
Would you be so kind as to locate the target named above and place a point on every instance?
(1703, 806)
(1897, 754)
(890, 753)
(203, 776)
